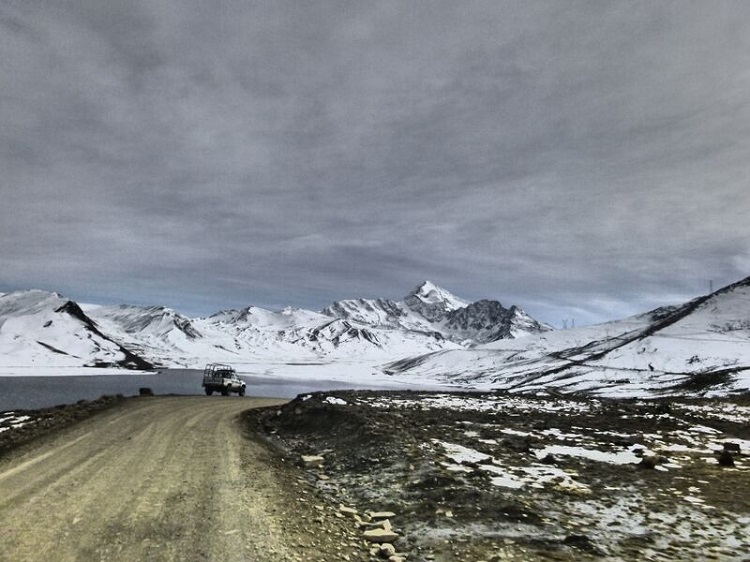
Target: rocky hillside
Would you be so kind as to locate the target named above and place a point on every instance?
(496, 476)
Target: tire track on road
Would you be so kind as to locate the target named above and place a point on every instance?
(153, 479)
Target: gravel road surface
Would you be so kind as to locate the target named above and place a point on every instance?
(162, 478)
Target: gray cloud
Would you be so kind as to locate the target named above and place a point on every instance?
(576, 158)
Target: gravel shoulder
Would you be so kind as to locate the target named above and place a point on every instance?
(161, 478)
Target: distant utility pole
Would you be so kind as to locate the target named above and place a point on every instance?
(710, 286)
(572, 323)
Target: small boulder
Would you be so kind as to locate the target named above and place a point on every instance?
(380, 535)
(649, 461)
(312, 461)
(386, 550)
(726, 458)
(549, 459)
(731, 447)
(584, 543)
(378, 515)
(517, 444)
(348, 511)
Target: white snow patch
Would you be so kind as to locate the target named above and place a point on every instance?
(460, 454)
(623, 457)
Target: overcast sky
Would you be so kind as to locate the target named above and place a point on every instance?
(584, 160)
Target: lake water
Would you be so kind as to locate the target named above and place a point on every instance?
(25, 393)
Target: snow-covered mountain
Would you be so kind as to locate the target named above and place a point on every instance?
(154, 332)
(426, 320)
(488, 321)
(298, 334)
(41, 328)
(702, 346)
(432, 302)
(431, 336)
(433, 311)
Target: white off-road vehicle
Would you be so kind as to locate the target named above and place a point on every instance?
(222, 378)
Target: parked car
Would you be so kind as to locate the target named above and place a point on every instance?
(222, 378)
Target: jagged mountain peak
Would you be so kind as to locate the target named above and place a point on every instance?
(429, 293)
(431, 310)
(487, 320)
(255, 317)
(433, 302)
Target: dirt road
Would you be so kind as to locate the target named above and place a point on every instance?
(164, 478)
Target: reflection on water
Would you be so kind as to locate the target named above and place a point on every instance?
(25, 393)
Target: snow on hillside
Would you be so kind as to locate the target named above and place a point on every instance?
(422, 310)
(42, 328)
(433, 302)
(378, 313)
(374, 331)
(155, 332)
(700, 347)
(429, 338)
(432, 311)
(255, 335)
(487, 321)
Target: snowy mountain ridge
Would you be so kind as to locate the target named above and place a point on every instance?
(699, 347)
(359, 329)
(428, 309)
(37, 327)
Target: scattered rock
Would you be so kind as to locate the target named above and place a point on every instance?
(649, 461)
(582, 542)
(726, 458)
(312, 461)
(386, 550)
(731, 447)
(378, 515)
(390, 452)
(380, 535)
(549, 459)
(145, 391)
(348, 511)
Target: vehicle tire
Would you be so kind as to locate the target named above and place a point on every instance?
(209, 391)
